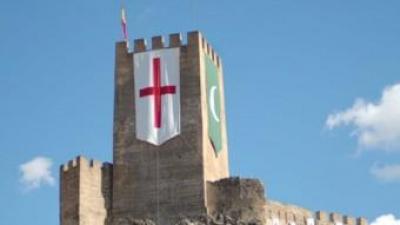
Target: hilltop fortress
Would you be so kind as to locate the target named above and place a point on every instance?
(170, 153)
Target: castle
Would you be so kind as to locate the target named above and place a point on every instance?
(179, 175)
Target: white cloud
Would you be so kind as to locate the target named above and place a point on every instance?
(387, 219)
(376, 125)
(36, 173)
(386, 173)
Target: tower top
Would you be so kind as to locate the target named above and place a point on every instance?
(174, 40)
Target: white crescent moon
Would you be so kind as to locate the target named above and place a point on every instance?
(212, 103)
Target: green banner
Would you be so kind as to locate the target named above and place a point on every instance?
(213, 104)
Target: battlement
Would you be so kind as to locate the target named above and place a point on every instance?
(209, 50)
(336, 218)
(158, 42)
(194, 38)
(81, 161)
(287, 214)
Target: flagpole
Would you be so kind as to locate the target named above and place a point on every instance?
(124, 25)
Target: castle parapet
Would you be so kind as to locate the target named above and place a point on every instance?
(362, 221)
(322, 216)
(284, 214)
(338, 219)
(86, 188)
(175, 40)
(348, 220)
(82, 162)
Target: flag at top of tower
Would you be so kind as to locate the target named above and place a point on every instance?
(124, 26)
(157, 95)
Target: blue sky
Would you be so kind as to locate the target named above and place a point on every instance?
(288, 65)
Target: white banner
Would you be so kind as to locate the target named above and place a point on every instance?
(157, 95)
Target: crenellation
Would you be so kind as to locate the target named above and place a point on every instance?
(72, 163)
(288, 214)
(81, 162)
(140, 45)
(362, 221)
(95, 164)
(193, 38)
(107, 166)
(219, 62)
(336, 218)
(208, 49)
(348, 220)
(175, 40)
(213, 56)
(157, 42)
(64, 167)
(322, 216)
(203, 43)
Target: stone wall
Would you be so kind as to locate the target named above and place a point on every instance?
(85, 192)
(240, 199)
(286, 213)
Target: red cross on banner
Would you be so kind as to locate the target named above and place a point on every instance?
(157, 91)
(157, 97)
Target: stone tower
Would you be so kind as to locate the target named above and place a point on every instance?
(183, 179)
(158, 181)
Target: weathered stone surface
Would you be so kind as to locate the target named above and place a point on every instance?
(132, 221)
(220, 219)
(239, 199)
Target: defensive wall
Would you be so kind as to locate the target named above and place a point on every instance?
(288, 214)
(86, 194)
